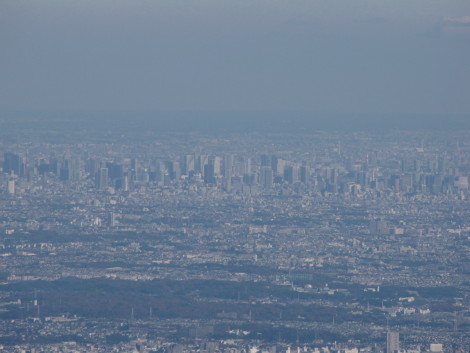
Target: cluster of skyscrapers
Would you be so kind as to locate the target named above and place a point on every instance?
(250, 174)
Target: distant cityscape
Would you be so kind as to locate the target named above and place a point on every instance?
(175, 242)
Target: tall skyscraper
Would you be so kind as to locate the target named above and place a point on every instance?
(279, 167)
(217, 165)
(70, 169)
(247, 162)
(228, 169)
(115, 170)
(291, 173)
(11, 187)
(209, 175)
(246, 165)
(393, 342)
(125, 183)
(274, 163)
(187, 164)
(228, 165)
(102, 180)
(65, 170)
(11, 163)
(266, 177)
(201, 162)
(304, 174)
(92, 166)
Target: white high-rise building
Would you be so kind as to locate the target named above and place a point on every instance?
(11, 187)
(217, 165)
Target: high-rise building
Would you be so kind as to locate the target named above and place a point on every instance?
(115, 170)
(11, 163)
(266, 177)
(228, 165)
(393, 342)
(102, 179)
(217, 165)
(70, 169)
(280, 165)
(125, 183)
(291, 174)
(333, 176)
(11, 187)
(246, 165)
(202, 160)
(274, 163)
(92, 166)
(228, 170)
(304, 174)
(187, 164)
(209, 175)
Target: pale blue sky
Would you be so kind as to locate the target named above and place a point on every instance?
(367, 56)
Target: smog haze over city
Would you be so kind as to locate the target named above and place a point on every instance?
(236, 176)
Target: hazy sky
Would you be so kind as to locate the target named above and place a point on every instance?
(389, 56)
